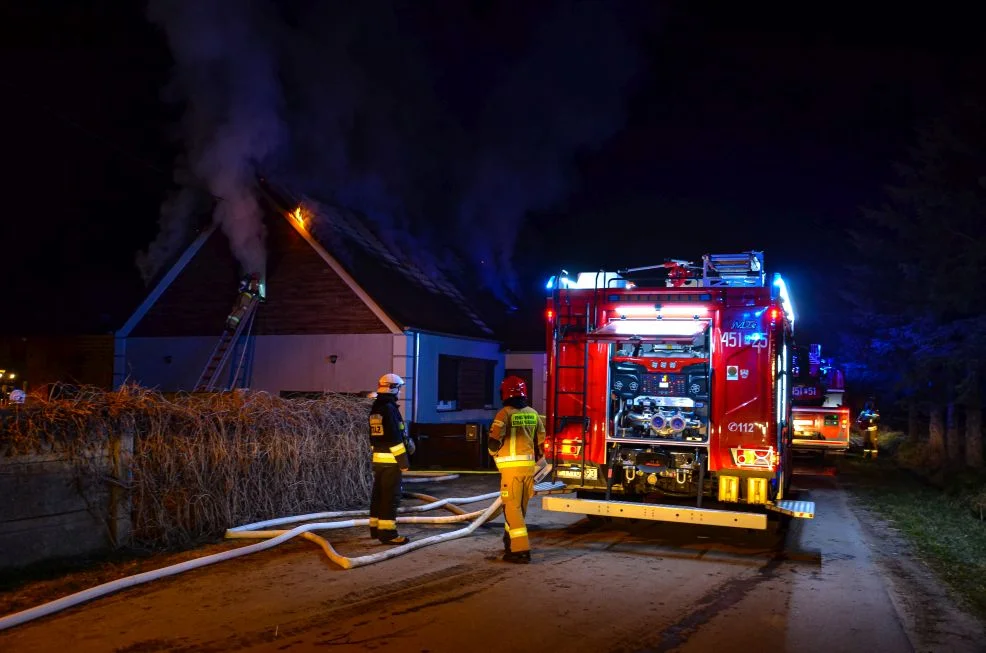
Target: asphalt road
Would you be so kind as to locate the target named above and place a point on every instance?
(830, 584)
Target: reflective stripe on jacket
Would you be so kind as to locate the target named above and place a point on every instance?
(512, 437)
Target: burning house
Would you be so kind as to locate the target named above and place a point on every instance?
(336, 308)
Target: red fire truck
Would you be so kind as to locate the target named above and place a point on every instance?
(668, 392)
(819, 416)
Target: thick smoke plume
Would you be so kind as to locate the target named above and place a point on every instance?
(175, 222)
(445, 128)
(226, 75)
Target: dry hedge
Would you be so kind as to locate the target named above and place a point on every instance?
(204, 463)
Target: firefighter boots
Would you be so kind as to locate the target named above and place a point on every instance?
(517, 557)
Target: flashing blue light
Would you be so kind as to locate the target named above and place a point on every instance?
(784, 296)
(563, 281)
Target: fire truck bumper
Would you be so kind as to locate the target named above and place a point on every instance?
(656, 512)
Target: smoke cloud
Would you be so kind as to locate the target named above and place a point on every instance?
(175, 223)
(226, 75)
(444, 128)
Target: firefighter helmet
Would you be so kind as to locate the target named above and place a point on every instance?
(389, 384)
(513, 386)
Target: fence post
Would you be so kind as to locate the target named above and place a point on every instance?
(121, 480)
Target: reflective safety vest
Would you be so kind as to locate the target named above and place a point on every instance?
(512, 437)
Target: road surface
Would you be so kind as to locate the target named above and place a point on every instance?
(831, 584)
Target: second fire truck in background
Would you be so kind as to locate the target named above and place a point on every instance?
(820, 418)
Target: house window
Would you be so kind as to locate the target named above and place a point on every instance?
(465, 383)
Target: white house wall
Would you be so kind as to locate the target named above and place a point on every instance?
(301, 363)
(537, 362)
(305, 363)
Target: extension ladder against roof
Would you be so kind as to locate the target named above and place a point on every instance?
(224, 348)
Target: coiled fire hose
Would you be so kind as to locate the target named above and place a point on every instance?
(274, 537)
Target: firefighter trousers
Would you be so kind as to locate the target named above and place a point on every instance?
(516, 490)
(870, 443)
(385, 500)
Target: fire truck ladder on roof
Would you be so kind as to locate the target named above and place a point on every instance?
(223, 350)
(745, 269)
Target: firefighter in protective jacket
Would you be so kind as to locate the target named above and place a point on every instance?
(515, 442)
(867, 422)
(390, 458)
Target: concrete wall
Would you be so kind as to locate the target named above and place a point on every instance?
(537, 362)
(47, 514)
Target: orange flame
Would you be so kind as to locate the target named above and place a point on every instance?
(299, 216)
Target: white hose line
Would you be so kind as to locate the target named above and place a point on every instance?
(123, 583)
(434, 539)
(408, 478)
(72, 600)
(480, 516)
(275, 538)
(436, 503)
(349, 563)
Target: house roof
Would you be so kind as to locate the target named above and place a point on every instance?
(412, 297)
(394, 293)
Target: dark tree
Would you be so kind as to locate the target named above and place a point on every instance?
(918, 284)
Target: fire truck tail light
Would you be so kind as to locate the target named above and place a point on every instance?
(570, 447)
(755, 457)
(550, 314)
(773, 314)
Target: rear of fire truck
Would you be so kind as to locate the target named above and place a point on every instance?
(819, 419)
(669, 392)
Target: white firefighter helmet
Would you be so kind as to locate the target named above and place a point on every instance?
(389, 384)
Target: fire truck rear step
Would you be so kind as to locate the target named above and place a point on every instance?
(548, 487)
(658, 512)
(799, 509)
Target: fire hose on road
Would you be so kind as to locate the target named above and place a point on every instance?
(274, 537)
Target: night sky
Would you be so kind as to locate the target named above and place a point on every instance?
(743, 128)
